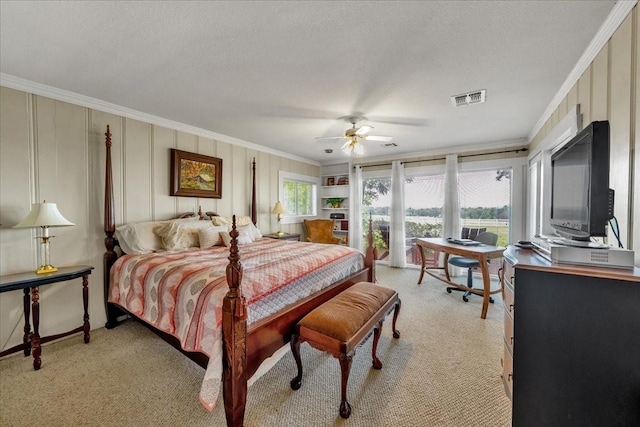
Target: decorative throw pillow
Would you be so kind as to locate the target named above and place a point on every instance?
(241, 221)
(181, 234)
(226, 220)
(210, 236)
(244, 237)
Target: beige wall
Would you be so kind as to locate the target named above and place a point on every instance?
(54, 150)
(610, 90)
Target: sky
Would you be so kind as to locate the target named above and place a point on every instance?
(477, 189)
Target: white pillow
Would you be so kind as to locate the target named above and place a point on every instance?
(255, 231)
(241, 221)
(210, 236)
(226, 220)
(244, 237)
(181, 234)
(139, 237)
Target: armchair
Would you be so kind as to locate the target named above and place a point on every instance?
(320, 231)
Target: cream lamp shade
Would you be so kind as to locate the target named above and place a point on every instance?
(44, 215)
(278, 210)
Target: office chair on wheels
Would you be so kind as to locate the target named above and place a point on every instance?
(470, 263)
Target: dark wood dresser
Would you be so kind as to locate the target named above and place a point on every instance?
(571, 342)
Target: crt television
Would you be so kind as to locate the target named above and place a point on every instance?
(581, 202)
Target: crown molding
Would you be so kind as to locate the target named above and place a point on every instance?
(618, 14)
(438, 152)
(40, 89)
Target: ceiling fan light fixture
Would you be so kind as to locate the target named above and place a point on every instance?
(352, 147)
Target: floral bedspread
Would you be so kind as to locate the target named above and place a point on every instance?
(181, 292)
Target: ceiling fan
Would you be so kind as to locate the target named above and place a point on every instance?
(354, 135)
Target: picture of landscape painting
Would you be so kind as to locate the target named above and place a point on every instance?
(195, 175)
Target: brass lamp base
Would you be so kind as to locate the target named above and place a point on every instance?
(46, 269)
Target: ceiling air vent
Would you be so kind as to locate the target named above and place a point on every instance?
(475, 97)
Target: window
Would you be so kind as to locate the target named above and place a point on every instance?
(298, 195)
(377, 203)
(485, 201)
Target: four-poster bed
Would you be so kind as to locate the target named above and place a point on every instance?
(246, 343)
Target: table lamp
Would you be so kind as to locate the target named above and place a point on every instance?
(44, 215)
(278, 210)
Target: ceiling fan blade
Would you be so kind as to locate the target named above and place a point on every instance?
(378, 138)
(330, 137)
(363, 130)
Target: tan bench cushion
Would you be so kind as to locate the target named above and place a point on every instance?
(343, 315)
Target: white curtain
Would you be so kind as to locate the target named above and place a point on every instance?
(397, 250)
(451, 209)
(355, 209)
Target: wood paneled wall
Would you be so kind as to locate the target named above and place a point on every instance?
(609, 90)
(55, 150)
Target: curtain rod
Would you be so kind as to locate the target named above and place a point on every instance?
(444, 158)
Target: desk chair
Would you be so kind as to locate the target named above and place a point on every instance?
(470, 263)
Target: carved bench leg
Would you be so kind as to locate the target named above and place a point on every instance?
(396, 312)
(377, 364)
(295, 349)
(345, 369)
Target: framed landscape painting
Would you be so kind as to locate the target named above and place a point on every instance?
(195, 175)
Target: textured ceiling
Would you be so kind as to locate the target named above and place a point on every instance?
(279, 74)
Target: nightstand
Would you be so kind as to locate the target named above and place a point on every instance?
(30, 283)
(285, 236)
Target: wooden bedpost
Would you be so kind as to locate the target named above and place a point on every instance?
(234, 332)
(371, 253)
(110, 255)
(254, 217)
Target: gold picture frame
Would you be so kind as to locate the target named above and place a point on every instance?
(195, 175)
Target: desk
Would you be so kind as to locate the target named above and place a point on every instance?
(30, 283)
(480, 252)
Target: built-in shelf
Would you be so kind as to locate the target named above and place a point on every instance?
(335, 184)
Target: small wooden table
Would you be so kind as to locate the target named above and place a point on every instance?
(284, 236)
(480, 252)
(30, 283)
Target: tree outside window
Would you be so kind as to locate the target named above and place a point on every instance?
(298, 197)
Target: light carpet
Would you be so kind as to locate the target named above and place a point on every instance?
(443, 371)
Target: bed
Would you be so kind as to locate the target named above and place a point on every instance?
(227, 315)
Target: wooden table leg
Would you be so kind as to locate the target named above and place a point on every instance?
(446, 266)
(35, 338)
(26, 338)
(487, 287)
(422, 263)
(85, 300)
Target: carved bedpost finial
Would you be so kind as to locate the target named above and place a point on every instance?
(108, 135)
(234, 272)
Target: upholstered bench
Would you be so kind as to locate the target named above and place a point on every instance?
(343, 323)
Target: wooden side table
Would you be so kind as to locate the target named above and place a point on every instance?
(285, 236)
(30, 283)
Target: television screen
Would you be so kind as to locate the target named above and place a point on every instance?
(580, 204)
(571, 186)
